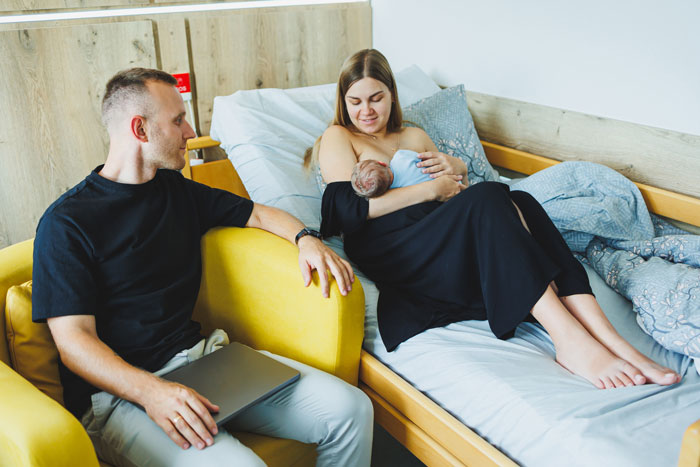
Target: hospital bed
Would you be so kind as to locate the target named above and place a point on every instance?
(457, 395)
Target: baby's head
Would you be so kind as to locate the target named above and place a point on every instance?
(371, 178)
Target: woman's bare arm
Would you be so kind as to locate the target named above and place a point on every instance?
(337, 158)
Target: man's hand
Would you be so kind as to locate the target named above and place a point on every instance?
(178, 410)
(182, 413)
(313, 254)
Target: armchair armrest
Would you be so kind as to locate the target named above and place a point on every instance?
(35, 430)
(690, 447)
(252, 287)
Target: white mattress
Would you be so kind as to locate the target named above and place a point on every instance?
(513, 393)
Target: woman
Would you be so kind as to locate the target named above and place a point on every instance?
(441, 253)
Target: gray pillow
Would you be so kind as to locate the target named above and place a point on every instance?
(446, 119)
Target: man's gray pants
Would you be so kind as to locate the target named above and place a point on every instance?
(319, 409)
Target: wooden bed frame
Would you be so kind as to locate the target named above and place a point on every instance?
(429, 431)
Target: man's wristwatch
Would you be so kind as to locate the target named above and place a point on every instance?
(306, 231)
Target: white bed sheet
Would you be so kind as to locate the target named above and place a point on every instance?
(514, 395)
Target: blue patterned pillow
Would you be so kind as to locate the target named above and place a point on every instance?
(446, 119)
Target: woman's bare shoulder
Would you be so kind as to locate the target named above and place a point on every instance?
(336, 146)
(336, 154)
(413, 132)
(337, 131)
(414, 136)
(336, 139)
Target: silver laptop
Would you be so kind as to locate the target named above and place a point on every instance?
(234, 377)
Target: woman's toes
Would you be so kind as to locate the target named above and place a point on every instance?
(633, 373)
(660, 375)
(626, 380)
(617, 381)
(670, 378)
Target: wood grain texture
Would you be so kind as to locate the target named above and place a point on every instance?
(29, 6)
(283, 48)
(172, 50)
(176, 2)
(295, 38)
(653, 156)
(170, 41)
(51, 135)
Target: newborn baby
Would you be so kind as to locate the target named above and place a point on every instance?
(372, 178)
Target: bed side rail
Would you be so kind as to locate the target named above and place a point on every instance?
(660, 201)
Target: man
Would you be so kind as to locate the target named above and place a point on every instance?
(117, 267)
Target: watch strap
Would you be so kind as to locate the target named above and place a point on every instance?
(304, 232)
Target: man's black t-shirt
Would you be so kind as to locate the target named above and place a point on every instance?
(130, 256)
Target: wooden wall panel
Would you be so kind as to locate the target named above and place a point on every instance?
(170, 39)
(27, 6)
(175, 2)
(284, 48)
(46, 146)
(51, 134)
(171, 46)
(662, 158)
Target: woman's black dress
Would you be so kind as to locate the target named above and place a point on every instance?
(468, 258)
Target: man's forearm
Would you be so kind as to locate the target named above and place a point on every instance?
(313, 254)
(91, 359)
(182, 413)
(275, 221)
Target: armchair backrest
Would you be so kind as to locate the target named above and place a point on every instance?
(15, 269)
(27, 347)
(220, 174)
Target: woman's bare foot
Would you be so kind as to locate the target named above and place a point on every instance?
(653, 372)
(578, 351)
(586, 309)
(582, 355)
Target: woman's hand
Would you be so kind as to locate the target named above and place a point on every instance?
(438, 164)
(445, 187)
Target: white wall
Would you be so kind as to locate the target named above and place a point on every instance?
(637, 61)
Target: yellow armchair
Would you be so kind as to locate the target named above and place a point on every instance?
(252, 288)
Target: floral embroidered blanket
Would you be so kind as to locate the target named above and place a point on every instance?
(655, 265)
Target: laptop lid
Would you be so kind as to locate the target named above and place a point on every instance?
(234, 378)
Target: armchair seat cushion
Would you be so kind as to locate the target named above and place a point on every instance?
(33, 353)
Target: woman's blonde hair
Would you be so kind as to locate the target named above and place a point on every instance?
(367, 63)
